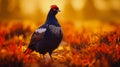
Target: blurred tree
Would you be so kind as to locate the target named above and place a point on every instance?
(9, 9)
(69, 11)
(14, 9)
(73, 10)
(0, 6)
(89, 11)
(4, 6)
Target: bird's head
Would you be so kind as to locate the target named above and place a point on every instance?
(54, 9)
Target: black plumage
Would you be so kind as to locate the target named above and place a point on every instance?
(48, 36)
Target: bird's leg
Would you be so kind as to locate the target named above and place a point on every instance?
(43, 58)
(50, 53)
(28, 51)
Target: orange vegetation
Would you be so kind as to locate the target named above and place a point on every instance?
(79, 48)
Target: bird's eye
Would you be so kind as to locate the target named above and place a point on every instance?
(55, 9)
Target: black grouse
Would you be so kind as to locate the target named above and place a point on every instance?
(48, 36)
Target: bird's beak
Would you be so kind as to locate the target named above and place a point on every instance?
(59, 10)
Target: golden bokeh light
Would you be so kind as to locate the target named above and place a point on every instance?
(101, 5)
(28, 7)
(44, 5)
(78, 4)
(115, 4)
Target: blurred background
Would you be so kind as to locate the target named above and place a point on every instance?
(76, 12)
(88, 13)
(91, 32)
(70, 10)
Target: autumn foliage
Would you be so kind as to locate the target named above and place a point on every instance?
(78, 48)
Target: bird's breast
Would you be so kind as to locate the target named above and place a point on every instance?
(56, 30)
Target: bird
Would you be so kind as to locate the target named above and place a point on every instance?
(48, 36)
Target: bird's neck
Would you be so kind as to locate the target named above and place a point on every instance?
(51, 19)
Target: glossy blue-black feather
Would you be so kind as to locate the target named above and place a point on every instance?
(48, 36)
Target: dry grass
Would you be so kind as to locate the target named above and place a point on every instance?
(83, 48)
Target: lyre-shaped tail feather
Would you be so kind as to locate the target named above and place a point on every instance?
(27, 51)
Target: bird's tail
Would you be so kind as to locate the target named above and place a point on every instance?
(27, 51)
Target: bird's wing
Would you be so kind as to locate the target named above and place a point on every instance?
(39, 33)
(37, 36)
(55, 29)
